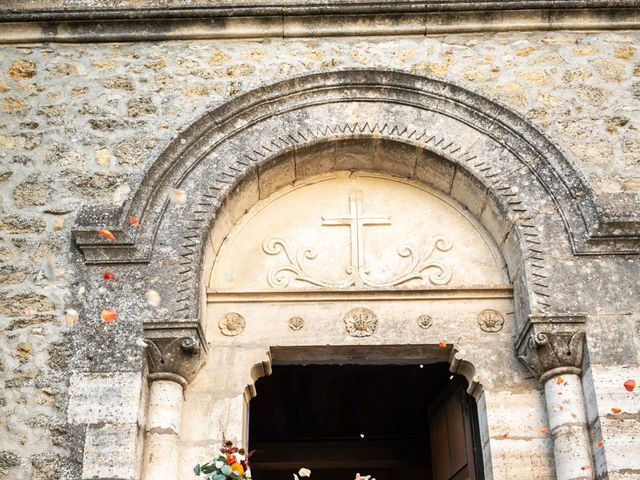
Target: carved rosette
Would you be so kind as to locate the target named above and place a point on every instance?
(490, 320)
(547, 354)
(360, 322)
(175, 351)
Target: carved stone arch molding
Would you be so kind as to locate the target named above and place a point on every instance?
(534, 203)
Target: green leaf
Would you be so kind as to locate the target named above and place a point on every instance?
(196, 469)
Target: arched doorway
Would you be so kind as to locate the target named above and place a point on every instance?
(387, 267)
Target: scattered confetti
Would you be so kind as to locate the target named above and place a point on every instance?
(616, 410)
(134, 222)
(362, 435)
(304, 472)
(141, 342)
(108, 276)
(108, 235)
(600, 443)
(544, 430)
(177, 196)
(48, 268)
(153, 298)
(630, 385)
(109, 315)
(71, 316)
(559, 381)
(442, 344)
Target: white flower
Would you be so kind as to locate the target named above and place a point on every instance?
(304, 472)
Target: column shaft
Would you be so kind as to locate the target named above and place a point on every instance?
(162, 430)
(568, 423)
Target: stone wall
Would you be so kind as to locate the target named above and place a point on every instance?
(80, 123)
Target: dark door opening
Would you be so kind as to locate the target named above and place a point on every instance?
(389, 421)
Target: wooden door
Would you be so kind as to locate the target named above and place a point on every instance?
(452, 433)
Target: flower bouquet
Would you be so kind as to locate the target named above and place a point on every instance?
(228, 463)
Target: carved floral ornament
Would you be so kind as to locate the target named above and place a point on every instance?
(490, 320)
(231, 324)
(420, 265)
(360, 322)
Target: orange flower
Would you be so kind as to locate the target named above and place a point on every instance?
(237, 467)
(108, 235)
(231, 459)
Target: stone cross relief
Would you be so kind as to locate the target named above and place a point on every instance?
(419, 266)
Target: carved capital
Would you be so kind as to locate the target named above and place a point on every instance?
(175, 351)
(552, 346)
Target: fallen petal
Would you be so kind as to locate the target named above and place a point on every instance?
(109, 315)
(616, 410)
(107, 234)
(559, 381)
(48, 268)
(71, 317)
(134, 222)
(442, 344)
(600, 443)
(153, 298)
(140, 342)
(177, 196)
(304, 472)
(108, 276)
(630, 385)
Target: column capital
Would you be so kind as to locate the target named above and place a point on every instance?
(552, 345)
(176, 350)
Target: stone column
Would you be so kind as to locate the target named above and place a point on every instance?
(554, 356)
(175, 353)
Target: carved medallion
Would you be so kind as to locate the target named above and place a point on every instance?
(424, 321)
(360, 322)
(490, 321)
(296, 323)
(232, 324)
(419, 264)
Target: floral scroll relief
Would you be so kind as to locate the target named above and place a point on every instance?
(419, 266)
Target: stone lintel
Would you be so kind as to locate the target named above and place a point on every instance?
(43, 21)
(176, 350)
(552, 345)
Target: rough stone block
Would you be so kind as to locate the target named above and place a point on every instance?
(104, 397)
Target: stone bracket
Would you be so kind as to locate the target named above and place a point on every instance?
(551, 345)
(175, 351)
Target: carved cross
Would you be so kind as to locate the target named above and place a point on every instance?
(356, 221)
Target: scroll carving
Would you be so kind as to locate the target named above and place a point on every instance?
(175, 352)
(548, 354)
(420, 266)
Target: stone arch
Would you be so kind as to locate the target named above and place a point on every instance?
(541, 203)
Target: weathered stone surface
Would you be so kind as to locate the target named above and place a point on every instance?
(16, 305)
(22, 69)
(134, 151)
(141, 106)
(32, 193)
(14, 224)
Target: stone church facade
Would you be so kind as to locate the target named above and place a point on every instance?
(348, 183)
